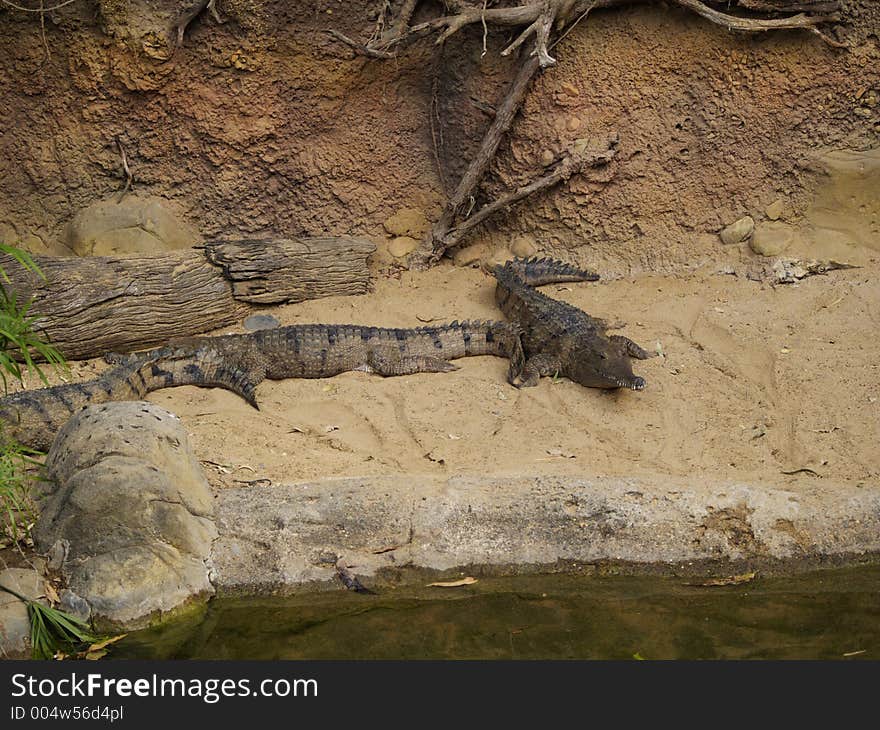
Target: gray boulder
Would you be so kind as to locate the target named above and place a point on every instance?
(134, 507)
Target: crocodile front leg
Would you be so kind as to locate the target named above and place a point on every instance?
(391, 364)
(538, 366)
(631, 348)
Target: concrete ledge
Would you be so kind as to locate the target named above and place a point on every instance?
(290, 535)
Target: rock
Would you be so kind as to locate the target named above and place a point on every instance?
(15, 628)
(524, 246)
(32, 243)
(471, 255)
(134, 226)
(771, 239)
(402, 246)
(547, 157)
(738, 231)
(128, 495)
(409, 222)
(261, 322)
(499, 256)
(573, 124)
(775, 210)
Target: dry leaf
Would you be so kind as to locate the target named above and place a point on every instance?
(50, 593)
(95, 655)
(733, 580)
(453, 583)
(560, 453)
(106, 642)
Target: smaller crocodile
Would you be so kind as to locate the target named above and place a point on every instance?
(558, 338)
(34, 417)
(240, 362)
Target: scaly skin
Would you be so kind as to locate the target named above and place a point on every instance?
(325, 350)
(559, 339)
(34, 417)
(240, 362)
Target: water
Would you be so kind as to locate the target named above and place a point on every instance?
(822, 615)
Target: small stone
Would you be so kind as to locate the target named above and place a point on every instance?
(407, 222)
(547, 157)
(569, 89)
(573, 124)
(523, 246)
(402, 246)
(500, 256)
(471, 255)
(776, 209)
(771, 239)
(738, 231)
(261, 322)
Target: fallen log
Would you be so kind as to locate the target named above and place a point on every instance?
(90, 306)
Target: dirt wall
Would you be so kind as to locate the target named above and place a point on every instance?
(265, 125)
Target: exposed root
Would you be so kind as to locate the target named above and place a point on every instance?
(360, 48)
(190, 15)
(539, 19)
(578, 158)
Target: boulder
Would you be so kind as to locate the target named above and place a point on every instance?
(132, 502)
(132, 226)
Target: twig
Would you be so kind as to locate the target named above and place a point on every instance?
(360, 48)
(437, 133)
(40, 9)
(125, 168)
(433, 246)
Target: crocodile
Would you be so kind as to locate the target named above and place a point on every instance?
(240, 362)
(34, 417)
(558, 338)
(325, 350)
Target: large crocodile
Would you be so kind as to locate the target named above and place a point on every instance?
(240, 362)
(559, 339)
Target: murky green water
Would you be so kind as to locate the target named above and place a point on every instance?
(822, 615)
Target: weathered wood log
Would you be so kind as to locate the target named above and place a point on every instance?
(89, 306)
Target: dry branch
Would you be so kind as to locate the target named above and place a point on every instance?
(434, 245)
(89, 306)
(577, 160)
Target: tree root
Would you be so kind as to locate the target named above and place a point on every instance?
(190, 15)
(576, 160)
(539, 19)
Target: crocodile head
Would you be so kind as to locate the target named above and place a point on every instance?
(603, 367)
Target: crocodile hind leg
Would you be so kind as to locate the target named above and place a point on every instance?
(631, 348)
(390, 364)
(536, 367)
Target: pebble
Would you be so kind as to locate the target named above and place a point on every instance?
(738, 231)
(776, 209)
(523, 246)
(402, 246)
(771, 239)
(261, 322)
(470, 255)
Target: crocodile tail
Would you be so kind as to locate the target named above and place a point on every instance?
(203, 367)
(539, 271)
